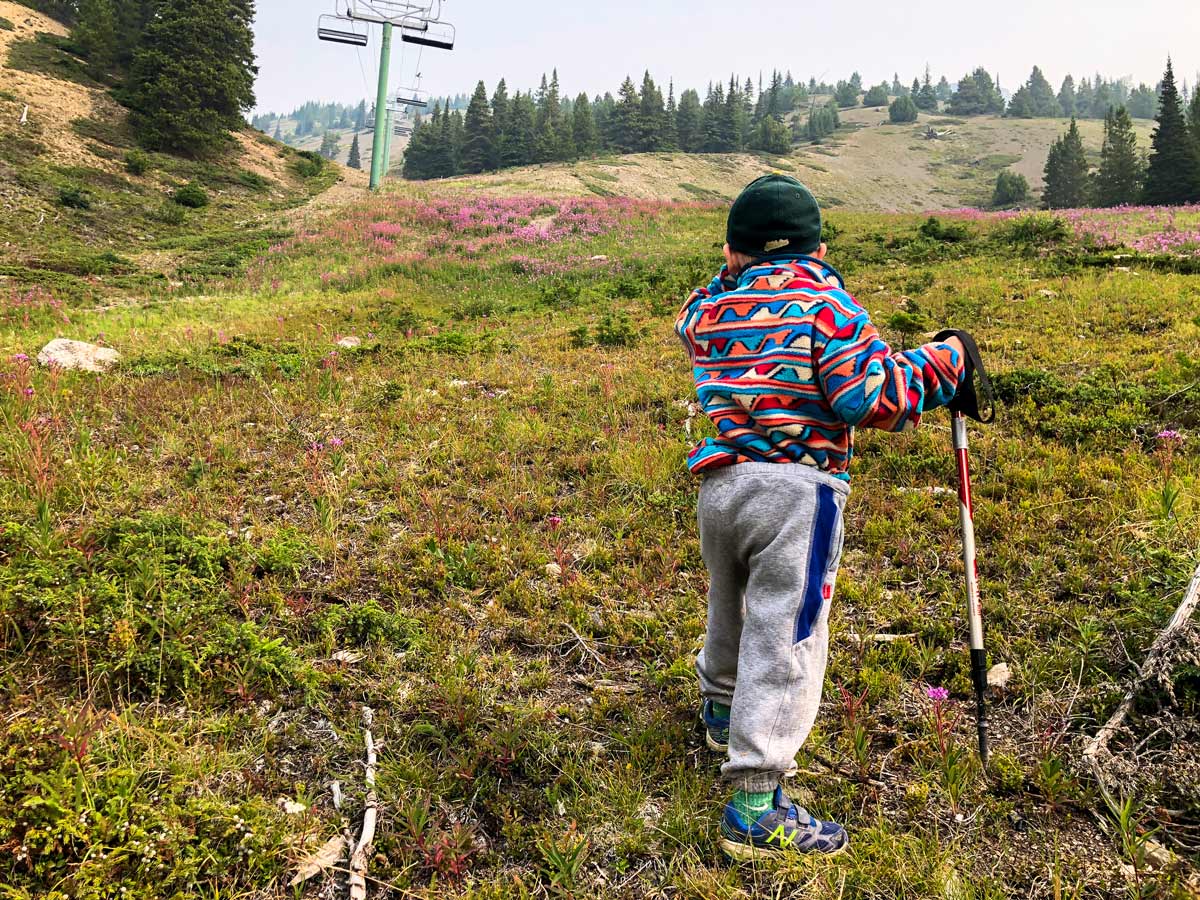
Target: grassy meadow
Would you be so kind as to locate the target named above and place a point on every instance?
(475, 519)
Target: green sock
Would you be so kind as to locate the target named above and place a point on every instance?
(720, 710)
(752, 805)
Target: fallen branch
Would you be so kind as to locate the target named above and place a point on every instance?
(358, 859)
(1099, 744)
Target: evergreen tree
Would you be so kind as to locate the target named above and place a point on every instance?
(1119, 180)
(96, 35)
(1066, 172)
(650, 116)
(903, 110)
(897, 90)
(278, 129)
(1041, 95)
(1194, 118)
(587, 139)
(1066, 96)
(360, 115)
(477, 150)
(927, 98)
(845, 95)
(689, 122)
(1173, 176)
(944, 90)
(856, 82)
(517, 144)
(915, 90)
(354, 161)
(329, 145)
(670, 136)
(625, 124)
(500, 106)
(193, 75)
(422, 147)
(1021, 105)
(876, 96)
(977, 95)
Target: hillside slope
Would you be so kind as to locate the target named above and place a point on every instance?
(869, 165)
(85, 210)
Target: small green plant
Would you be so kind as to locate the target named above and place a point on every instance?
(308, 164)
(74, 196)
(563, 858)
(1034, 231)
(6, 24)
(169, 214)
(580, 337)
(191, 195)
(854, 711)
(137, 162)
(615, 330)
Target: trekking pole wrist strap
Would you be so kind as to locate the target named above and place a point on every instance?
(975, 401)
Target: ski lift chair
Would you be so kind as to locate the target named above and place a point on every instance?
(342, 30)
(440, 35)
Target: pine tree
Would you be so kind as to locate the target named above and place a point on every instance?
(1194, 118)
(176, 109)
(876, 96)
(422, 147)
(477, 150)
(278, 129)
(517, 145)
(903, 110)
(1066, 96)
(927, 98)
(1119, 180)
(1066, 172)
(354, 160)
(360, 116)
(625, 123)
(329, 145)
(670, 137)
(96, 34)
(1041, 95)
(650, 116)
(689, 122)
(584, 127)
(1173, 176)
(1021, 105)
(500, 107)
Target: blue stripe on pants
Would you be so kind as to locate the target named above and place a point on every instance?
(818, 561)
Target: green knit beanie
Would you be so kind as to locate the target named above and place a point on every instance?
(774, 214)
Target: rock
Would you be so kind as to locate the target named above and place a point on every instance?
(998, 675)
(1046, 292)
(291, 807)
(598, 259)
(79, 355)
(554, 570)
(350, 342)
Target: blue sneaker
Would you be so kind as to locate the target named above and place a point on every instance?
(716, 730)
(785, 829)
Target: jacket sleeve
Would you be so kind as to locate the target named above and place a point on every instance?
(685, 323)
(868, 384)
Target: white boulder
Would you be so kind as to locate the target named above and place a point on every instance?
(67, 354)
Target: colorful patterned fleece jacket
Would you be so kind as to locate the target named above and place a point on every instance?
(787, 363)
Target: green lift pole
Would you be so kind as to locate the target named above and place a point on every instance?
(382, 117)
(387, 145)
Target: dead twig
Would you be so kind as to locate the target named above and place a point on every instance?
(1099, 744)
(358, 859)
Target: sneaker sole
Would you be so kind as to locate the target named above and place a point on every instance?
(712, 744)
(738, 851)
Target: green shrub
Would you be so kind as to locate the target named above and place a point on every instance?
(1034, 231)
(74, 196)
(137, 162)
(253, 180)
(615, 330)
(191, 195)
(903, 110)
(169, 214)
(308, 164)
(948, 233)
(6, 25)
(1012, 189)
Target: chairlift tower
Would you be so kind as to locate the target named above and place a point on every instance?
(419, 23)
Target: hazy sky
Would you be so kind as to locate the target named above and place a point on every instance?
(594, 45)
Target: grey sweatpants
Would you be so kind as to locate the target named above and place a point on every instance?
(771, 535)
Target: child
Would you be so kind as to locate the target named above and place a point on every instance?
(786, 364)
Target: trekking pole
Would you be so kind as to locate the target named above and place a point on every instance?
(964, 405)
